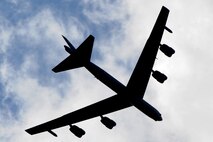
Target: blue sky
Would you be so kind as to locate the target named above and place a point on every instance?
(31, 45)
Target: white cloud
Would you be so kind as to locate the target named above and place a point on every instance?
(102, 12)
(5, 32)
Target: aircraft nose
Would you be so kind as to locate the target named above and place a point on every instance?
(160, 118)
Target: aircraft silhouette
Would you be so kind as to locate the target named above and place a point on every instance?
(127, 96)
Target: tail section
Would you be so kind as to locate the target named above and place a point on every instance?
(85, 49)
(71, 47)
(78, 57)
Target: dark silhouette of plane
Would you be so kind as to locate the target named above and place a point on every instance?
(127, 96)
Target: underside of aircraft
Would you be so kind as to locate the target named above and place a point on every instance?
(126, 96)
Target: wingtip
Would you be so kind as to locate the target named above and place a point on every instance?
(91, 36)
(54, 70)
(164, 7)
(28, 131)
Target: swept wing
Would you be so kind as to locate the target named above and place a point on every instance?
(108, 105)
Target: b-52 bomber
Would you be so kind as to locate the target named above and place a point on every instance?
(127, 96)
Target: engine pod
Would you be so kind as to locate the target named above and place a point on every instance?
(160, 77)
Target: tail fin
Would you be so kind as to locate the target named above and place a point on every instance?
(78, 57)
(71, 47)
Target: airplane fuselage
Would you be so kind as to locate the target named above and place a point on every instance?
(105, 77)
(132, 96)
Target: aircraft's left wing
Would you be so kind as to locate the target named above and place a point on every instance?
(108, 105)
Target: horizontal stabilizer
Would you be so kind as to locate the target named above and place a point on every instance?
(69, 63)
(78, 57)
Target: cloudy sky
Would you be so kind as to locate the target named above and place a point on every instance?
(31, 45)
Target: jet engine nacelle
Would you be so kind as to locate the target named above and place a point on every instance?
(109, 123)
(168, 51)
(160, 77)
(77, 131)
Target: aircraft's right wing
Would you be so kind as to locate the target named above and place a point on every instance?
(141, 74)
(106, 106)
